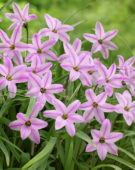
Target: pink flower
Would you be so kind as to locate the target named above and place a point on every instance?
(12, 75)
(104, 140)
(20, 16)
(29, 126)
(56, 29)
(12, 47)
(125, 67)
(101, 41)
(75, 64)
(96, 106)
(65, 116)
(109, 79)
(41, 50)
(38, 68)
(42, 89)
(126, 106)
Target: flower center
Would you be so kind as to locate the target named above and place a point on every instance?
(126, 109)
(90, 72)
(100, 41)
(9, 78)
(54, 30)
(12, 47)
(42, 90)
(95, 104)
(107, 80)
(76, 68)
(34, 71)
(28, 123)
(102, 140)
(65, 116)
(39, 51)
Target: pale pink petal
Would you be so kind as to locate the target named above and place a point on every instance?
(74, 75)
(99, 115)
(90, 148)
(113, 137)
(44, 68)
(21, 117)
(106, 107)
(127, 97)
(130, 61)
(102, 70)
(51, 114)
(110, 34)
(95, 134)
(88, 115)
(25, 132)
(47, 79)
(109, 90)
(104, 52)
(8, 64)
(3, 70)
(34, 136)
(112, 148)
(16, 125)
(59, 123)
(64, 37)
(12, 89)
(128, 118)
(17, 10)
(70, 128)
(33, 92)
(101, 98)
(59, 106)
(12, 26)
(38, 124)
(77, 45)
(48, 44)
(106, 127)
(16, 36)
(4, 37)
(35, 80)
(17, 57)
(95, 47)
(99, 30)
(25, 11)
(85, 106)
(110, 45)
(36, 41)
(90, 95)
(55, 88)
(73, 107)
(75, 118)
(66, 67)
(121, 99)
(4, 47)
(31, 17)
(21, 46)
(90, 37)
(50, 55)
(121, 60)
(50, 21)
(3, 83)
(111, 70)
(65, 28)
(102, 151)
(63, 57)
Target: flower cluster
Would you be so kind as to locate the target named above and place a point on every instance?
(80, 65)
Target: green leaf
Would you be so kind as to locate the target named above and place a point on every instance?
(5, 106)
(106, 165)
(75, 92)
(45, 151)
(122, 161)
(5, 151)
(69, 156)
(127, 153)
(85, 137)
(30, 107)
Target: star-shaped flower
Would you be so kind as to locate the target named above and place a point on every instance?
(41, 50)
(12, 47)
(75, 64)
(104, 140)
(95, 106)
(12, 75)
(56, 29)
(65, 116)
(126, 106)
(29, 126)
(42, 89)
(101, 41)
(20, 16)
(109, 79)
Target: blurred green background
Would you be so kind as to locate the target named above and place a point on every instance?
(113, 14)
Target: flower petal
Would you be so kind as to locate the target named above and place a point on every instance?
(102, 151)
(110, 34)
(90, 148)
(113, 137)
(38, 124)
(25, 132)
(51, 114)
(16, 125)
(99, 30)
(34, 136)
(70, 128)
(59, 123)
(90, 37)
(106, 127)
(73, 107)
